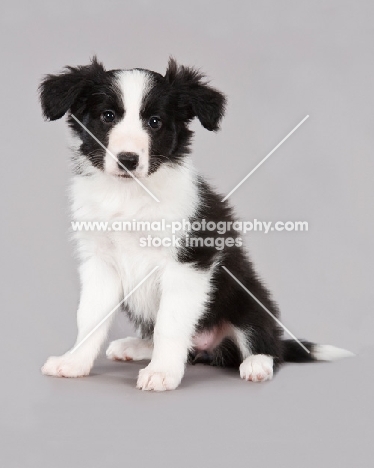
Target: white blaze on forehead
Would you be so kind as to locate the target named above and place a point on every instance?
(134, 85)
(128, 135)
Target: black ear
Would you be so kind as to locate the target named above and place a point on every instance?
(194, 97)
(59, 92)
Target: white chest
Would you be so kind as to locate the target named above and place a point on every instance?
(114, 203)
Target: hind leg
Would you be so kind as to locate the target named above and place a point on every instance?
(130, 349)
(255, 367)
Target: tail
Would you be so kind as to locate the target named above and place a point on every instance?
(293, 352)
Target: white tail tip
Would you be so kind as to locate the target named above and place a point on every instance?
(330, 353)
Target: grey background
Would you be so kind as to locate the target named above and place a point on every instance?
(277, 61)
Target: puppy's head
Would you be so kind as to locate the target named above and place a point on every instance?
(140, 117)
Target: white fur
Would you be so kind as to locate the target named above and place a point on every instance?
(257, 368)
(184, 294)
(113, 263)
(241, 341)
(102, 197)
(101, 291)
(130, 349)
(330, 353)
(129, 135)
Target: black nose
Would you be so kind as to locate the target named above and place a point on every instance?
(129, 160)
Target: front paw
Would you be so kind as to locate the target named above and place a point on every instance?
(67, 365)
(159, 380)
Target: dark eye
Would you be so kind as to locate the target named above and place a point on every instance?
(108, 116)
(155, 122)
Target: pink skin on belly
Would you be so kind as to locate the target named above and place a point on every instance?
(210, 339)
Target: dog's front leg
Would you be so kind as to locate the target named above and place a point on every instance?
(184, 292)
(100, 293)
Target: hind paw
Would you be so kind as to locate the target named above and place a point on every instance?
(257, 368)
(129, 349)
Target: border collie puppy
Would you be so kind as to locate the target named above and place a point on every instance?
(190, 309)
